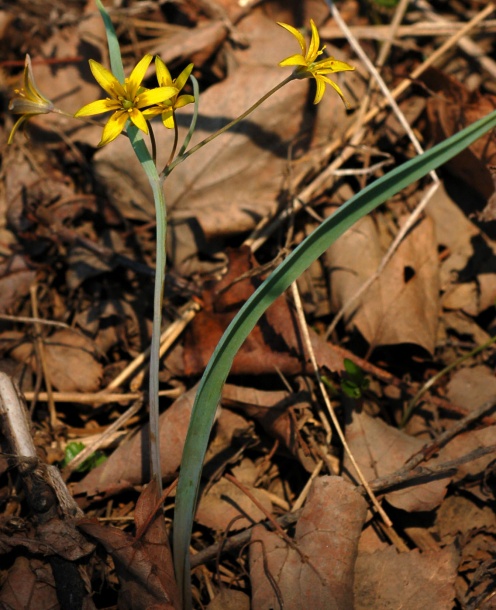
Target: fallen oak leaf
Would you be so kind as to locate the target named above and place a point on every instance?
(327, 532)
(143, 563)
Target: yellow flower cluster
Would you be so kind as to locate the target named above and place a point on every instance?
(127, 101)
(307, 67)
(130, 101)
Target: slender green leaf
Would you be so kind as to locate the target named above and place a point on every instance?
(311, 248)
(113, 44)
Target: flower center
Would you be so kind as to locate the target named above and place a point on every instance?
(127, 104)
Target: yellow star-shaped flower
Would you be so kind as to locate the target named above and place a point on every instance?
(126, 100)
(307, 67)
(28, 101)
(167, 108)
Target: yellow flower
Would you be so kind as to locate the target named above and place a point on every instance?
(28, 101)
(308, 67)
(126, 100)
(167, 108)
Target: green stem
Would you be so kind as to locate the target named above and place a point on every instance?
(161, 232)
(144, 157)
(220, 131)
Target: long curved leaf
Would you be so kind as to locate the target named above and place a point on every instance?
(311, 248)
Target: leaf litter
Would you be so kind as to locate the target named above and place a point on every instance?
(78, 222)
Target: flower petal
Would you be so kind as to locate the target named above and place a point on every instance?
(155, 96)
(138, 119)
(313, 49)
(330, 65)
(133, 83)
(182, 79)
(182, 100)
(296, 34)
(17, 124)
(22, 105)
(98, 107)
(106, 80)
(320, 90)
(163, 75)
(168, 119)
(152, 112)
(328, 81)
(31, 91)
(294, 60)
(114, 127)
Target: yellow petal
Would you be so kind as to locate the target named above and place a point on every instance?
(182, 79)
(31, 91)
(330, 65)
(313, 49)
(152, 112)
(114, 127)
(137, 75)
(98, 107)
(296, 34)
(17, 124)
(168, 119)
(182, 100)
(106, 80)
(138, 119)
(320, 90)
(294, 60)
(328, 81)
(155, 96)
(163, 75)
(22, 105)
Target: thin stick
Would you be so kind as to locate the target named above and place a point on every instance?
(26, 320)
(100, 441)
(421, 28)
(54, 421)
(97, 398)
(325, 397)
(166, 340)
(468, 46)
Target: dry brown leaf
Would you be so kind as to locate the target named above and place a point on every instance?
(144, 565)
(327, 535)
(467, 271)
(402, 306)
(273, 412)
(230, 599)
(388, 579)
(120, 472)
(274, 343)
(453, 109)
(379, 450)
(459, 515)
(224, 502)
(472, 387)
(16, 278)
(29, 585)
(70, 361)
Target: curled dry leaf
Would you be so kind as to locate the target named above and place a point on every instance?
(327, 535)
